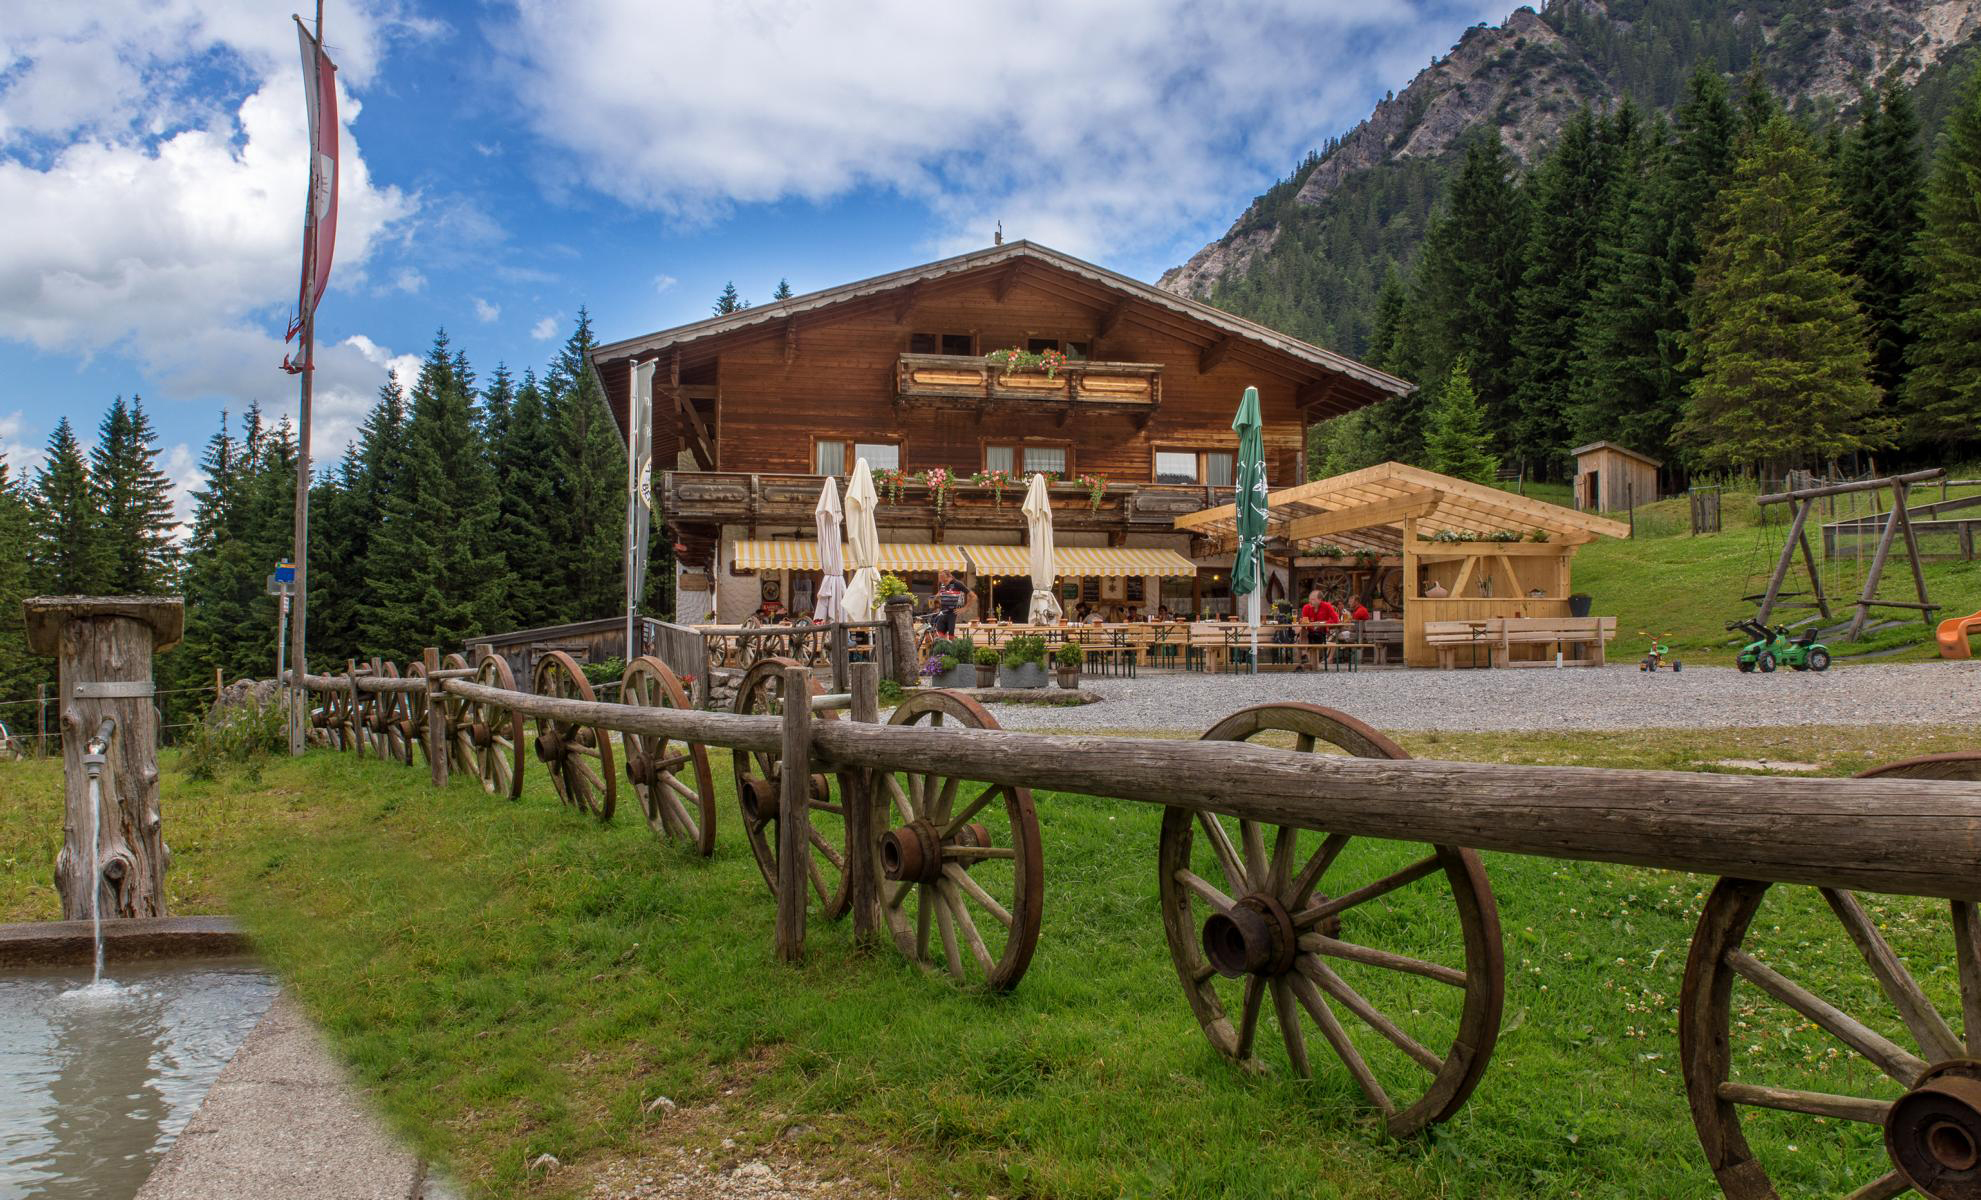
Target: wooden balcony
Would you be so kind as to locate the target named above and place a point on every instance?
(770, 502)
(968, 381)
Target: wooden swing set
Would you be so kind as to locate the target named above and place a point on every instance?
(1896, 523)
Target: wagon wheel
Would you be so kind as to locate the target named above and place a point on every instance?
(489, 739)
(1391, 589)
(344, 720)
(460, 746)
(751, 650)
(1246, 901)
(1335, 583)
(389, 716)
(579, 756)
(759, 776)
(1894, 1092)
(413, 714)
(946, 845)
(671, 778)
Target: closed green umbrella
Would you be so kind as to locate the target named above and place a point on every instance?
(1248, 569)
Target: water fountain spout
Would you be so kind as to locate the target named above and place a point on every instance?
(95, 754)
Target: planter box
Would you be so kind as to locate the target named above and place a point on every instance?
(961, 677)
(987, 677)
(1069, 678)
(1031, 675)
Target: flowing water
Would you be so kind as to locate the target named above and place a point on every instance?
(96, 1081)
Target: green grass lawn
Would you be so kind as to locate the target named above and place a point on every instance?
(514, 979)
(1666, 582)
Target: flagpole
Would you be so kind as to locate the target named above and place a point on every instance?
(299, 622)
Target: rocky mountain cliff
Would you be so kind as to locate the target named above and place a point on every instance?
(1526, 76)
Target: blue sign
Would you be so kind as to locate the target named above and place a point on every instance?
(285, 572)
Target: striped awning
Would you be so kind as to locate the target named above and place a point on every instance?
(793, 554)
(1075, 561)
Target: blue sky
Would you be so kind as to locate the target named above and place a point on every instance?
(507, 162)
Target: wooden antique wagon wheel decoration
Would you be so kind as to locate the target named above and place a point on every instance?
(1389, 589)
(1336, 584)
(460, 746)
(1403, 938)
(344, 719)
(671, 778)
(759, 776)
(390, 721)
(579, 756)
(413, 714)
(489, 737)
(949, 847)
(1824, 1048)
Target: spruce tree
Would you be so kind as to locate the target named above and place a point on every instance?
(1882, 185)
(20, 671)
(135, 503)
(496, 401)
(1783, 350)
(591, 466)
(433, 570)
(1942, 401)
(1456, 442)
(728, 301)
(68, 553)
(1466, 299)
(527, 473)
(1392, 428)
(783, 291)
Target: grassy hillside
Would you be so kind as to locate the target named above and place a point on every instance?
(1665, 581)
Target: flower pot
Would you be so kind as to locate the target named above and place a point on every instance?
(961, 677)
(987, 676)
(1026, 675)
(1069, 677)
(1580, 603)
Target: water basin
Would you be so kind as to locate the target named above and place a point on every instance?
(95, 1083)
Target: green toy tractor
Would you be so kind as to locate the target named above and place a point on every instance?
(1773, 647)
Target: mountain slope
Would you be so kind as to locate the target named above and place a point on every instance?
(1308, 255)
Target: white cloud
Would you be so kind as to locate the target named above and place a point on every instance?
(486, 312)
(662, 282)
(545, 329)
(181, 466)
(19, 447)
(408, 280)
(1089, 124)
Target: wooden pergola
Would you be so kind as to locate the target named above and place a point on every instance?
(1494, 553)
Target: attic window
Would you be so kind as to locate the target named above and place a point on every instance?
(962, 344)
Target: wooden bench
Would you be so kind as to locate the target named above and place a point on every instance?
(1450, 637)
(1561, 632)
(1386, 636)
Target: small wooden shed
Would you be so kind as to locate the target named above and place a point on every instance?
(1611, 478)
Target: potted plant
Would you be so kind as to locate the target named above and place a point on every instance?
(1068, 659)
(953, 658)
(1023, 663)
(986, 667)
(1580, 603)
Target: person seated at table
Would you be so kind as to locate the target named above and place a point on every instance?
(1163, 613)
(1357, 611)
(1080, 611)
(1315, 617)
(1096, 617)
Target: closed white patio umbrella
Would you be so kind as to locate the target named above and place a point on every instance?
(862, 542)
(829, 609)
(1044, 608)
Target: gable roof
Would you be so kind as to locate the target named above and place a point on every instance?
(1364, 384)
(1366, 509)
(1626, 451)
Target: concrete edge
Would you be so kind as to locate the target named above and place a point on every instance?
(131, 939)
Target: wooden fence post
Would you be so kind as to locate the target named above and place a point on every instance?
(794, 816)
(437, 748)
(862, 838)
(356, 714)
(104, 646)
(900, 615)
(840, 680)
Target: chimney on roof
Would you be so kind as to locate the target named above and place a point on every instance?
(997, 239)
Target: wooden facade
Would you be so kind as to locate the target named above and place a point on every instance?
(751, 407)
(1610, 478)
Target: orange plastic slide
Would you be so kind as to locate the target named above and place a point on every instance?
(1953, 636)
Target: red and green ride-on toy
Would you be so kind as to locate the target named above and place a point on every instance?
(1660, 656)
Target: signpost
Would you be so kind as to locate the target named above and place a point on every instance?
(282, 585)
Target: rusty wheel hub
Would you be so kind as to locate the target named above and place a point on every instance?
(550, 745)
(759, 796)
(637, 768)
(1256, 937)
(914, 852)
(479, 733)
(1933, 1132)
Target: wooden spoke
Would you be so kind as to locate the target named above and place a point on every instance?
(567, 746)
(1288, 1012)
(1358, 1068)
(1891, 1058)
(1884, 1187)
(826, 848)
(1928, 1027)
(1331, 983)
(1967, 951)
(761, 693)
(1275, 879)
(968, 873)
(1368, 892)
(1816, 1104)
(1315, 943)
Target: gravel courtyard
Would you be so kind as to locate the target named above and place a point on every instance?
(1620, 697)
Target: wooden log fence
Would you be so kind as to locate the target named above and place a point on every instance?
(1910, 829)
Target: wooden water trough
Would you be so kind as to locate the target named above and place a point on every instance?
(1278, 864)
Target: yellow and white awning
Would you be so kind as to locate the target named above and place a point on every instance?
(1072, 562)
(793, 554)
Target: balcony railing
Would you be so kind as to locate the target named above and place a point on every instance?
(770, 501)
(971, 381)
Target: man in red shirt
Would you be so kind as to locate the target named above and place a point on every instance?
(1315, 617)
(1360, 611)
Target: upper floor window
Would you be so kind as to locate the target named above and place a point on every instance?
(1214, 467)
(961, 344)
(1077, 351)
(836, 456)
(1024, 460)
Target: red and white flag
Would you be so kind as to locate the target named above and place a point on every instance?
(320, 215)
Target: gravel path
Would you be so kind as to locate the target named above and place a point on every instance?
(1620, 697)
